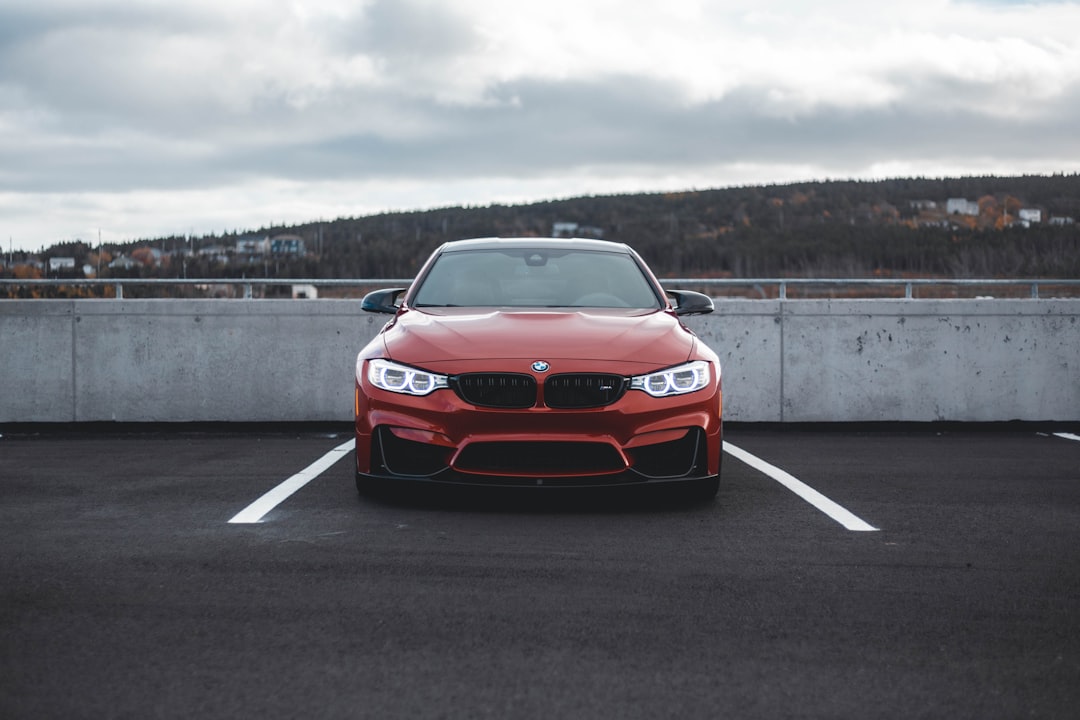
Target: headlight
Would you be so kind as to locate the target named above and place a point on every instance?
(674, 381)
(387, 375)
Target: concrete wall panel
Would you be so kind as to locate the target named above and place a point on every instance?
(292, 360)
(268, 360)
(37, 382)
(954, 360)
(746, 334)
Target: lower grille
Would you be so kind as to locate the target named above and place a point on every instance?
(535, 459)
(407, 457)
(678, 458)
(583, 391)
(498, 390)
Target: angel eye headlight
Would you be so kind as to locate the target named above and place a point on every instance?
(679, 380)
(387, 375)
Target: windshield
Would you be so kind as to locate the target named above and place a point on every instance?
(539, 277)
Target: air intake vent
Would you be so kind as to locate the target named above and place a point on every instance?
(497, 390)
(537, 459)
(583, 391)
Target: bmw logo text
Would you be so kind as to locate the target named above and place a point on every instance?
(540, 366)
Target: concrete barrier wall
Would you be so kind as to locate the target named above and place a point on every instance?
(783, 361)
(896, 360)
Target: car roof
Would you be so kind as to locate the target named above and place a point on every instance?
(498, 243)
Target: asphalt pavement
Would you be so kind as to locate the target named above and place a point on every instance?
(125, 592)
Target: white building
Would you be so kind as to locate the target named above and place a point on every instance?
(123, 262)
(253, 246)
(961, 206)
(61, 263)
(569, 230)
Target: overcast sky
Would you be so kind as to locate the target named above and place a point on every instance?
(153, 118)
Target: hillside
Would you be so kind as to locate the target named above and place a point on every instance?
(1006, 227)
(807, 229)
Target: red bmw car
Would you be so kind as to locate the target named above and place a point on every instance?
(538, 362)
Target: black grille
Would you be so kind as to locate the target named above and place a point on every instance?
(499, 390)
(583, 391)
(537, 458)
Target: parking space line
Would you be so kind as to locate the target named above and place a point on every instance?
(1067, 436)
(807, 493)
(255, 512)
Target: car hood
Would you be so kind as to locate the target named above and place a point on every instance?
(424, 337)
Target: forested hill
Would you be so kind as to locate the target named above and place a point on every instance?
(994, 227)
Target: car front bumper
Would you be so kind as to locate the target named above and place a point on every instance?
(638, 439)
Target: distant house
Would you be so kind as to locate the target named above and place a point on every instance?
(253, 245)
(287, 245)
(215, 253)
(564, 229)
(1030, 215)
(923, 205)
(123, 262)
(961, 206)
(569, 229)
(1061, 220)
(57, 264)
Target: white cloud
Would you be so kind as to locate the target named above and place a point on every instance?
(149, 117)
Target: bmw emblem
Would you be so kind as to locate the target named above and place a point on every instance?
(540, 366)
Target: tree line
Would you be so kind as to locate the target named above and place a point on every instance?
(892, 228)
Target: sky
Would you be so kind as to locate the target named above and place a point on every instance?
(129, 119)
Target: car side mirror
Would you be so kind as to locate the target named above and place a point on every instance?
(688, 302)
(382, 301)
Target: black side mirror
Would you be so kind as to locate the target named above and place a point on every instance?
(688, 302)
(382, 301)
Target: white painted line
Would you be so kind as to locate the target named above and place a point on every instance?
(1067, 436)
(807, 493)
(254, 512)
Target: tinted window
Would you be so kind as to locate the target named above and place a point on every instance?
(536, 278)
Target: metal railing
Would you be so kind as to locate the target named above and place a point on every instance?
(778, 288)
(907, 284)
(118, 284)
